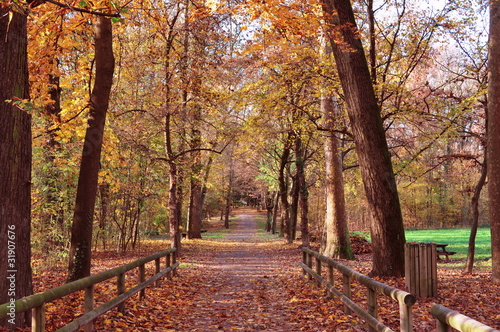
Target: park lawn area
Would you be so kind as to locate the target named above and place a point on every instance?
(457, 240)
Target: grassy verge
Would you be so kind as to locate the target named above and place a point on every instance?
(457, 240)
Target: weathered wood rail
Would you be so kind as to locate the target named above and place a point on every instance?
(37, 302)
(405, 300)
(448, 318)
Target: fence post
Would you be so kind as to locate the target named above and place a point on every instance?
(318, 268)
(304, 261)
(157, 270)
(89, 306)
(174, 260)
(331, 279)
(309, 264)
(142, 275)
(405, 317)
(167, 262)
(120, 287)
(38, 319)
(442, 327)
(346, 288)
(372, 306)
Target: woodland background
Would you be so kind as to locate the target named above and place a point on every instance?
(142, 118)
(235, 78)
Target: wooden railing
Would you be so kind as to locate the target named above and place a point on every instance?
(447, 319)
(37, 302)
(406, 300)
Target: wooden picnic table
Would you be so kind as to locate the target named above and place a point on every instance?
(441, 250)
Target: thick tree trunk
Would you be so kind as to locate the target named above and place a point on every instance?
(475, 217)
(195, 215)
(15, 165)
(387, 231)
(493, 159)
(81, 232)
(337, 243)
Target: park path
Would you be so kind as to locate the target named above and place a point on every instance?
(240, 287)
(243, 281)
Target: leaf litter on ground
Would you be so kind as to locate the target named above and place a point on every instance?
(250, 281)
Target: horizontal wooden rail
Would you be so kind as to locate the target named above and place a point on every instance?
(448, 318)
(406, 300)
(37, 301)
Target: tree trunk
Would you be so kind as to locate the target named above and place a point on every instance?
(204, 189)
(269, 208)
(195, 197)
(475, 217)
(387, 231)
(173, 219)
(227, 209)
(337, 243)
(15, 165)
(493, 158)
(81, 232)
(303, 192)
(283, 184)
(294, 207)
(275, 212)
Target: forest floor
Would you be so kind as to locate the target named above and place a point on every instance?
(247, 280)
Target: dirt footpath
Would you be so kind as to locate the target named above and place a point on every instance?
(240, 289)
(245, 280)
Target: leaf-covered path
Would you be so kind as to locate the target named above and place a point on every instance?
(239, 289)
(245, 280)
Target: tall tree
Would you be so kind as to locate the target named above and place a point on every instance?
(81, 231)
(387, 231)
(493, 158)
(15, 164)
(337, 243)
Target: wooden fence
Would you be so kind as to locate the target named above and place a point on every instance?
(36, 302)
(406, 300)
(447, 319)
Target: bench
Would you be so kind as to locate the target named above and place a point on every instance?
(441, 251)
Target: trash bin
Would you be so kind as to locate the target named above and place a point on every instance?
(421, 269)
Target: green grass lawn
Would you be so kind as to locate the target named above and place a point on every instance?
(456, 238)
